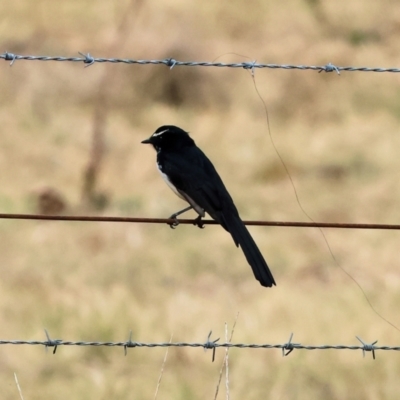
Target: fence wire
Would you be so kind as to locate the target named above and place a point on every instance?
(293, 224)
(286, 348)
(171, 63)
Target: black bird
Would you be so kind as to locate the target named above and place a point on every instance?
(192, 177)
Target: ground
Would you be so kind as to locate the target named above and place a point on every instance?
(337, 135)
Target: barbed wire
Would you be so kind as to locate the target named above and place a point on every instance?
(286, 347)
(171, 63)
(169, 221)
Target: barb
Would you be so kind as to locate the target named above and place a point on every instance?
(89, 60)
(129, 343)
(293, 224)
(289, 346)
(368, 347)
(210, 345)
(51, 343)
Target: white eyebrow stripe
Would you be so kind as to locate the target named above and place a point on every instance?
(159, 133)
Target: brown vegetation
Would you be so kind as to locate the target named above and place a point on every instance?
(337, 134)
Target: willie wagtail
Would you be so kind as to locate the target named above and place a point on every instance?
(192, 177)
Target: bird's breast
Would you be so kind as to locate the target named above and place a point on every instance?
(167, 180)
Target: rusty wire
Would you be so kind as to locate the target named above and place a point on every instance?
(91, 218)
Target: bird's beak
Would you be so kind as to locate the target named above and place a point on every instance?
(146, 141)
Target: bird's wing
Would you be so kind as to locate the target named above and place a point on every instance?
(195, 177)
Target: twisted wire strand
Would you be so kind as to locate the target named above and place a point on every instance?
(205, 345)
(171, 63)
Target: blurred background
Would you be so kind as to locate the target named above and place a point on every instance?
(70, 144)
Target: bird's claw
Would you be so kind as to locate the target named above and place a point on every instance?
(174, 224)
(198, 222)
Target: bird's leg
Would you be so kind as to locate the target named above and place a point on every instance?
(174, 224)
(198, 222)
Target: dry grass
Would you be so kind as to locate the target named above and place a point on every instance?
(337, 135)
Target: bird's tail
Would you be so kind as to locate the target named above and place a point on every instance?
(242, 238)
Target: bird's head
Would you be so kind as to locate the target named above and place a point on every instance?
(169, 137)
